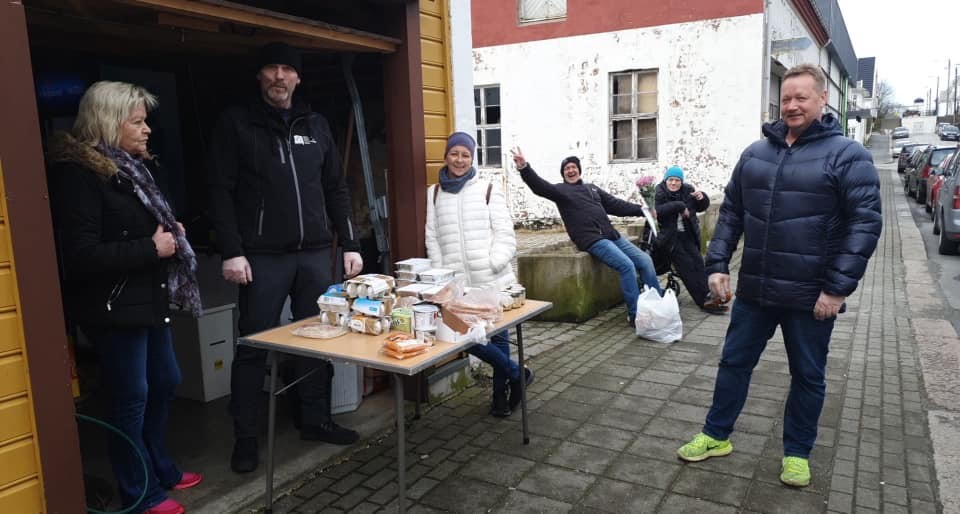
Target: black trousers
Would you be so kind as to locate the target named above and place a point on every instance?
(688, 263)
(303, 276)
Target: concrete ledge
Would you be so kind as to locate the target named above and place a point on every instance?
(579, 285)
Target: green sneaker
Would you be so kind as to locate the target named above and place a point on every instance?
(796, 472)
(703, 447)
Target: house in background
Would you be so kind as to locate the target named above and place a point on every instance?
(632, 87)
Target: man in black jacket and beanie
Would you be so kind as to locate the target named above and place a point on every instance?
(278, 199)
(807, 202)
(584, 209)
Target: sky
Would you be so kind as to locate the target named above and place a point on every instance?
(912, 41)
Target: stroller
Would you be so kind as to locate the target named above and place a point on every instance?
(662, 262)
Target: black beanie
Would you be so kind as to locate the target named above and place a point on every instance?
(568, 160)
(280, 53)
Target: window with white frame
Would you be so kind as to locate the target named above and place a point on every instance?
(633, 115)
(541, 10)
(486, 102)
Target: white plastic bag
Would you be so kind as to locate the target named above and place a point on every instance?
(658, 318)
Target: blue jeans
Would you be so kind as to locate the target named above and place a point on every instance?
(496, 353)
(807, 342)
(626, 259)
(140, 373)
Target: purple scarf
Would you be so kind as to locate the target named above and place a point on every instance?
(182, 272)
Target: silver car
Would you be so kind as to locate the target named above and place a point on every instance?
(946, 219)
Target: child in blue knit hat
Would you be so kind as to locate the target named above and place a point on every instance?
(677, 204)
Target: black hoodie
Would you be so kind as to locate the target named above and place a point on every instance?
(277, 186)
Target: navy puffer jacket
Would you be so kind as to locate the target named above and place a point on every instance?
(809, 214)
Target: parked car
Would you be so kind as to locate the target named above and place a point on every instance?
(906, 152)
(910, 169)
(900, 133)
(930, 158)
(934, 181)
(950, 133)
(940, 126)
(946, 215)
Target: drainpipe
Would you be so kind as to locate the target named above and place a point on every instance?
(765, 79)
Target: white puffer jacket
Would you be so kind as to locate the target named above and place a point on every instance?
(466, 234)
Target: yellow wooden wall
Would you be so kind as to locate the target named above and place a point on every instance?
(437, 85)
(20, 480)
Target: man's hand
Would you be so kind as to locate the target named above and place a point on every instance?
(518, 158)
(719, 285)
(237, 270)
(827, 306)
(697, 195)
(352, 263)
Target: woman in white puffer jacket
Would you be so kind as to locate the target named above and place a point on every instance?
(469, 229)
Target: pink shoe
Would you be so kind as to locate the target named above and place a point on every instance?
(188, 480)
(168, 506)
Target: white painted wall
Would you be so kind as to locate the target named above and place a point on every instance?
(461, 59)
(555, 102)
(785, 24)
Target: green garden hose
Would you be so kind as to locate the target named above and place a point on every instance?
(146, 478)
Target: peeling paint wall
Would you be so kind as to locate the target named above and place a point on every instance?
(555, 102)
(785, 24)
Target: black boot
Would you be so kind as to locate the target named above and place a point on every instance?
(499, 406)
(245, 455)
(329, 432)
(515, 388)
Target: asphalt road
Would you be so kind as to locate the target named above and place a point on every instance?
(946, 268)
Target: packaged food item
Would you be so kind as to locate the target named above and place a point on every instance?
(318, 331)
(369, 286)
(411, 276)
(402, 320)
(335, 299)
(436, 275)
(416, 264)
(334, 318)
(425, 316)
(400, 342)
(415, 290)
(367, 325)
(426, 336)
(445, 293)
(402, 355)
(377, 308)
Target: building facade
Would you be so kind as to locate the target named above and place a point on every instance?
(635, 87)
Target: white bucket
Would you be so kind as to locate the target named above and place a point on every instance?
(425, 317)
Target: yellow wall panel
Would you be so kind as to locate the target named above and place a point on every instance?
(19, 461)
(7, 294)
(433, 172)
(432, 52)
(23, 498)
(12, 380)
(4, 248)
(431, 6)
(434, 77)
(435, 126)
(431, 27)
(16, 419)
(434, 102)
(435, 149)
(9, 331)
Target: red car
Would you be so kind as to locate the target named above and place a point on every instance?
(934, 181)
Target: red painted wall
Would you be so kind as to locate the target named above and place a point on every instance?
(496, 22)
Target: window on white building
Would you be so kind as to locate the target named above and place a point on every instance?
(633, 115)
(486, 102)
(541, 10)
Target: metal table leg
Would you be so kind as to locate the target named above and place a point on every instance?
(523, 384)
(271, 422)
(401, 445)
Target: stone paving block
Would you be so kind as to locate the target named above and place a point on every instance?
(922, 507)
(870, 464)
(603, 436)
(670, 428)
(644, 471)
(552, 426)
(631, 420)
(567, 409)
(614, 496)
(684, 412)
(710, 485)
(604, 382)
(382, 477)
(284, 504)
(763, 407)
(512, 444)
(497, 468)
(777, 499)
(918, 473)
(868, 480)
(921, 491)
(341, 469)
(840, 502)
(313, 487)
(443, 470)
(672, 367)
(699, 397)
(679, 504)
(581, 457)
(894, 494)
(617, 370)
(868, 498)
(736, 464)
(636, 403)
(556, 482)
(650, 389)
(587, 395)
(344, 485)
(842, 484)
(526, 503)
(461, 494)
(894, 476)
(318, 502)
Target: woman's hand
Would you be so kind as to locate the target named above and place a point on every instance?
(697, 195)
(518, 158)
(686, 213)
(164, 242)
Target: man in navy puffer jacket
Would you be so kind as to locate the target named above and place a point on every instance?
(807, 202)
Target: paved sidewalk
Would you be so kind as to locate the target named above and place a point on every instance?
(609, 410)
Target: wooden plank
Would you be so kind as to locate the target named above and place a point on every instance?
(23, 497)
(12, 377)
(433, 172)
(19, 461)
(9, 332)
(431, 27)
(434, 102)
(4, 244)
(236, 13)
(435, 149)
(434, 77)
(435, 126)
(431, 6)
(432, 52)
(15, 414)
(7, 289)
